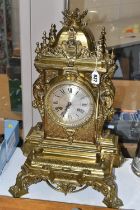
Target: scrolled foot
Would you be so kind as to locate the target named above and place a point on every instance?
(25, 178)
(109, 189)
(115, 203)
(17, 192)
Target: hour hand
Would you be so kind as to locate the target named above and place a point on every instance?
(63, 113)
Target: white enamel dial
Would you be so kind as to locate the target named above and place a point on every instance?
(70, 104)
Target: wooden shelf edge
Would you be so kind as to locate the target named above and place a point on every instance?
(8, 203)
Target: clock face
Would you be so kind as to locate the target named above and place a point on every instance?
(70, 104)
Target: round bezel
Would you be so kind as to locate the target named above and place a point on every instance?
(60, 120)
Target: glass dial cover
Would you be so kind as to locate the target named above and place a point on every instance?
(70, 104)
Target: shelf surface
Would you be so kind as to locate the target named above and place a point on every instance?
(7, 203)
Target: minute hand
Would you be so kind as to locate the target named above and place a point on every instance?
(66, 108)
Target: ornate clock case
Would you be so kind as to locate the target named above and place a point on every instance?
(69, 149)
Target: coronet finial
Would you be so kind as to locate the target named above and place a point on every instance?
(74, 18)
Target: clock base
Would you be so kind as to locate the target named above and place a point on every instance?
(107, 144)
(33, 139)
(70, 167)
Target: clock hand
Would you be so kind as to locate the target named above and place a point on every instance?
(66, 108)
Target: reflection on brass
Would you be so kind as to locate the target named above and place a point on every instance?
(69, 149)
(136, 160)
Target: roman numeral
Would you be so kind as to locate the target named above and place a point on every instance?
(57, 96)
(84, 104)
(77, 92)
(83, 97)
(70, 90)
(55, 102)
(62, 91)
(58, 108)
(80, 110)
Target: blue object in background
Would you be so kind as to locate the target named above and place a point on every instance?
(11, 139)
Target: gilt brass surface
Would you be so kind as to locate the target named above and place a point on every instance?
(67, 154)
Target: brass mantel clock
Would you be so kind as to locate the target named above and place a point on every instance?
(74, 95)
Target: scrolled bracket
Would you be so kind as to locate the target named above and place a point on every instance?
(23, 181)
(39, 94)
(109, 189)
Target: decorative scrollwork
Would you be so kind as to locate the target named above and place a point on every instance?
(109, 190)
(39, 93)
(23, 181)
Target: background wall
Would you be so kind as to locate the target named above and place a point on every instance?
(15, 23)
(121, 19)
(35, 17)
(43, 14)
(115, 15)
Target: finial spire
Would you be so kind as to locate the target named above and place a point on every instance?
(74, 18)
(44, 44)
(103, 40)
(37, 50)
(101, 46)
(52, 34)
